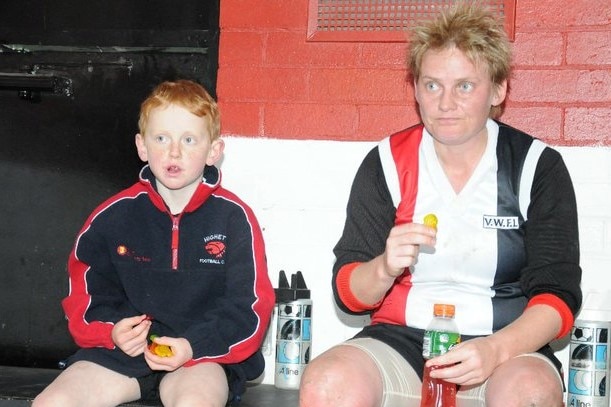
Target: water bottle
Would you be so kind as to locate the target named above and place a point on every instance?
(588, 383)
(294, 330)
(439, 337)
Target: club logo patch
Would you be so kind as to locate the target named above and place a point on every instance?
(215, 248)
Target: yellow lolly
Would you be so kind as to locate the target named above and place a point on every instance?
(160, 350)
(431, 220)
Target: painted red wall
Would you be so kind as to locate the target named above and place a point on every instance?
(272, 83)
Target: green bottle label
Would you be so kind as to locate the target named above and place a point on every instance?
(437, 343)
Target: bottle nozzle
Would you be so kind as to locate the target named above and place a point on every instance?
(297, 290)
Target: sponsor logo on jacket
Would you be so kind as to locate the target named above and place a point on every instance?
(124, 251)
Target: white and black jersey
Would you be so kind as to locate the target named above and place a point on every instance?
(508, 236)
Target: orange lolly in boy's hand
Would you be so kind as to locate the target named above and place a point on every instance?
(159, 350)
(431, 220)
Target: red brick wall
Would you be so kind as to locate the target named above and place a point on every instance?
(272, 83)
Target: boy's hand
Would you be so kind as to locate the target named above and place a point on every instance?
(181, 353)
(129, 334)
(159, 349)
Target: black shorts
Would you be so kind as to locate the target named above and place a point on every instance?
(115, 360)
(149, 386)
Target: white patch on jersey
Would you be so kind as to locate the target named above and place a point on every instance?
(528, 174)
(390, 171)
(458, 271)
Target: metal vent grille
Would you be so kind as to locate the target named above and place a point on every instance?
(383, 20)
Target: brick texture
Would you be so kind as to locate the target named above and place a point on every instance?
(273, 82)
(588, 124)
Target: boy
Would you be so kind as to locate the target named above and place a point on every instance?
(177, 256)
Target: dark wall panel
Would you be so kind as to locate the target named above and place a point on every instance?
(67, 146)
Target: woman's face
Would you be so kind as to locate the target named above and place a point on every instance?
(455, 96)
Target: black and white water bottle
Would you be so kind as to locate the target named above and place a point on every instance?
(588, 381)
(294, 330)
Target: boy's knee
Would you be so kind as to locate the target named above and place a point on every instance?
(45, 399)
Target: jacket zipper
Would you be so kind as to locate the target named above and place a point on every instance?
(175, 221)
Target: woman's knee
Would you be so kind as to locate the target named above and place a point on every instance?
(524, 381)
(342, 376)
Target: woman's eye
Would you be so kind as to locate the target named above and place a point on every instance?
(160, 138)
(189, 140)
(466, 86)
(432, 86)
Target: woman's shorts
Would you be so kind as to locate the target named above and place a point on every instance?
(402, 385)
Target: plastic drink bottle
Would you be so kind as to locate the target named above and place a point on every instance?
(294, 331)
(590, 361)
(439, 337)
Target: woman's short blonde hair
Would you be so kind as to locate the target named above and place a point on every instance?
(471, 28)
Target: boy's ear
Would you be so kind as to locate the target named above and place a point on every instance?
(141, 147)
(216, 151)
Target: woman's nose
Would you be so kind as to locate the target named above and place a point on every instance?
(446, 101)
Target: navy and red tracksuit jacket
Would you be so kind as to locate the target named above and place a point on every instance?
(199, 275)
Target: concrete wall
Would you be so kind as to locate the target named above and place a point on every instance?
(298, 190)
(299, 116)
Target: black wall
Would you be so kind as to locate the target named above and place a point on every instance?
(72, 77)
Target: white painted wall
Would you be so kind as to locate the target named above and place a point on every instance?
(299, 188)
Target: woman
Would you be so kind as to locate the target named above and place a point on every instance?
(505, 252)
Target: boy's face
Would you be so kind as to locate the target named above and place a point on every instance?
(177, 147)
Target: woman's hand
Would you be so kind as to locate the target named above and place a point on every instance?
(403, 245)
(468, 363)
(370, 281)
